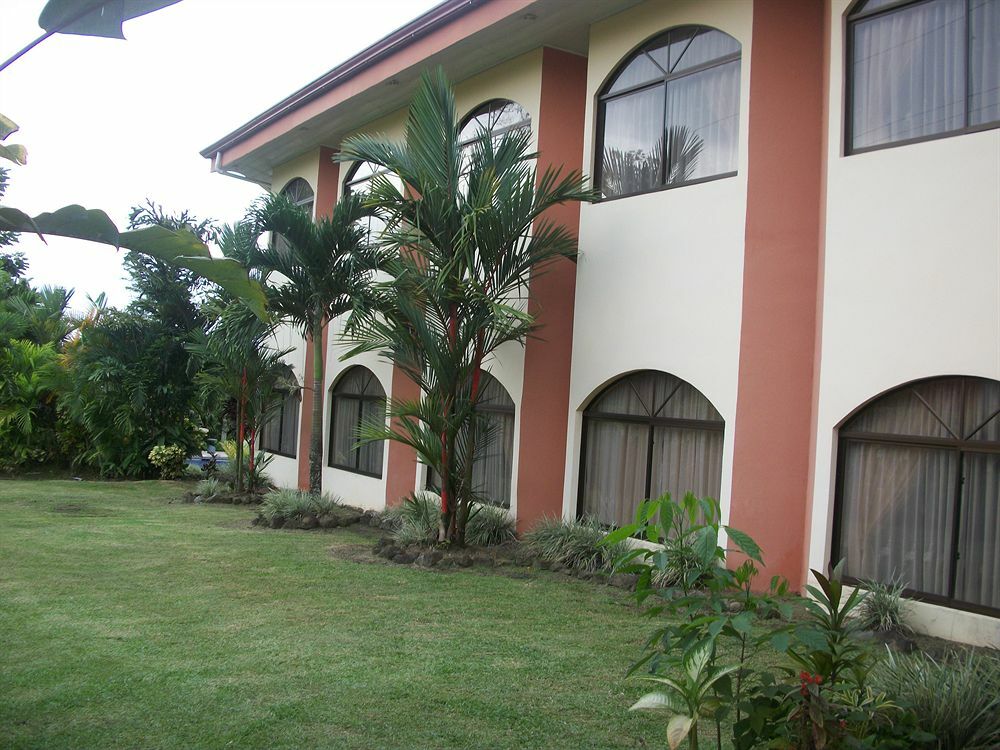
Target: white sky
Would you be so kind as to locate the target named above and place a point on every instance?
(108, 123)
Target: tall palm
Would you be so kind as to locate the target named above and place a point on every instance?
(319, 272)
(238, 361)
(467, 231)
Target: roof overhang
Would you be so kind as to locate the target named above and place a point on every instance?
(465, 37)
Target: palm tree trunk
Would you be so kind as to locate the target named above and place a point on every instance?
(316, 436)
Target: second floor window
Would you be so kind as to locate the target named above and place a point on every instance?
(359, 182)
(670, 113)
(920, 69)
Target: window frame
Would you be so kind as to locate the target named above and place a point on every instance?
(601, 98)
(960, 446)
(652, 422)
(361, 399)
(851, 18)
(279, 415)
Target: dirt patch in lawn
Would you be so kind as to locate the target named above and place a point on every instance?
(80, 509)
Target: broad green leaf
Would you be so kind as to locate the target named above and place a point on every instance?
(164, 244)
(781, 641)
(177, 247)
(677, 730)
(618, 535)
(705, 543)
(658, 701)
(102, 18)
(697, 657)
(15, 153)
(742, 624)
(745, 542)
(7, 126)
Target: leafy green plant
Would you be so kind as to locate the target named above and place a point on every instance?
(169, 459)
(882, 607)
(574, 543)
(254, 475)
(956, 699)
(695, 693)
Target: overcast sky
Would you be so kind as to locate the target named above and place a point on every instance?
(108, 123)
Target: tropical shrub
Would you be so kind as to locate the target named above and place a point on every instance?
(255, 478)
(169, 459)
(416, 521)
(574, 543)
(882, 607)
(460, 245)
(209, 489)
(956, 699)
(29, 374)
(490, 526)
(822, 697)
(295, 504)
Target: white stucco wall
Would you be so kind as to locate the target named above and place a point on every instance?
(660, 275)
(284, 471)
(911, 289)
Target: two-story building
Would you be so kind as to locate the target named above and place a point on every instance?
(787, 296)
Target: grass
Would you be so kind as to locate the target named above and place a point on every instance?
(129, 619)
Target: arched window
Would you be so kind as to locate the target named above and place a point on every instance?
(921, 69)
(918, 491)
(280, 432)
(359, 182)
(646, 434)
(670, 113)
(299, 193)
(494, 463)
(495, 117)
(357, 397)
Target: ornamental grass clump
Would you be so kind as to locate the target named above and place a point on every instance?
(956, 699)
(882, 608)
(416, 522)
(208, 489)
(287, 505)
(575, 544)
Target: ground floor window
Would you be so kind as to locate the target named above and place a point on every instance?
(279, 433)
(493, 466)
(918, 491)
(646, 434)
(356, 398)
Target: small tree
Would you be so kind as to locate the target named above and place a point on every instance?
(318, 273)
(239, 362)
(462, 238)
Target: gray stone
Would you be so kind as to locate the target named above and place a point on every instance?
(541, 564)
(308, 521)
(349, 517)
(429, 558)
(464, 561)
(625, 581)
(277, 522)
(389, 551)
(404, 558)
(327, 521)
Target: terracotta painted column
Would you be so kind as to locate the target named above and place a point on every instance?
(771, 461)
(327, 191)
(545, 394)
(401, 472)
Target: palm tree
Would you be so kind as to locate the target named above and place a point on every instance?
(316, 274)
(462, 240)
(238, 361)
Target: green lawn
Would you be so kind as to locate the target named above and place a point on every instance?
(128, 620)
